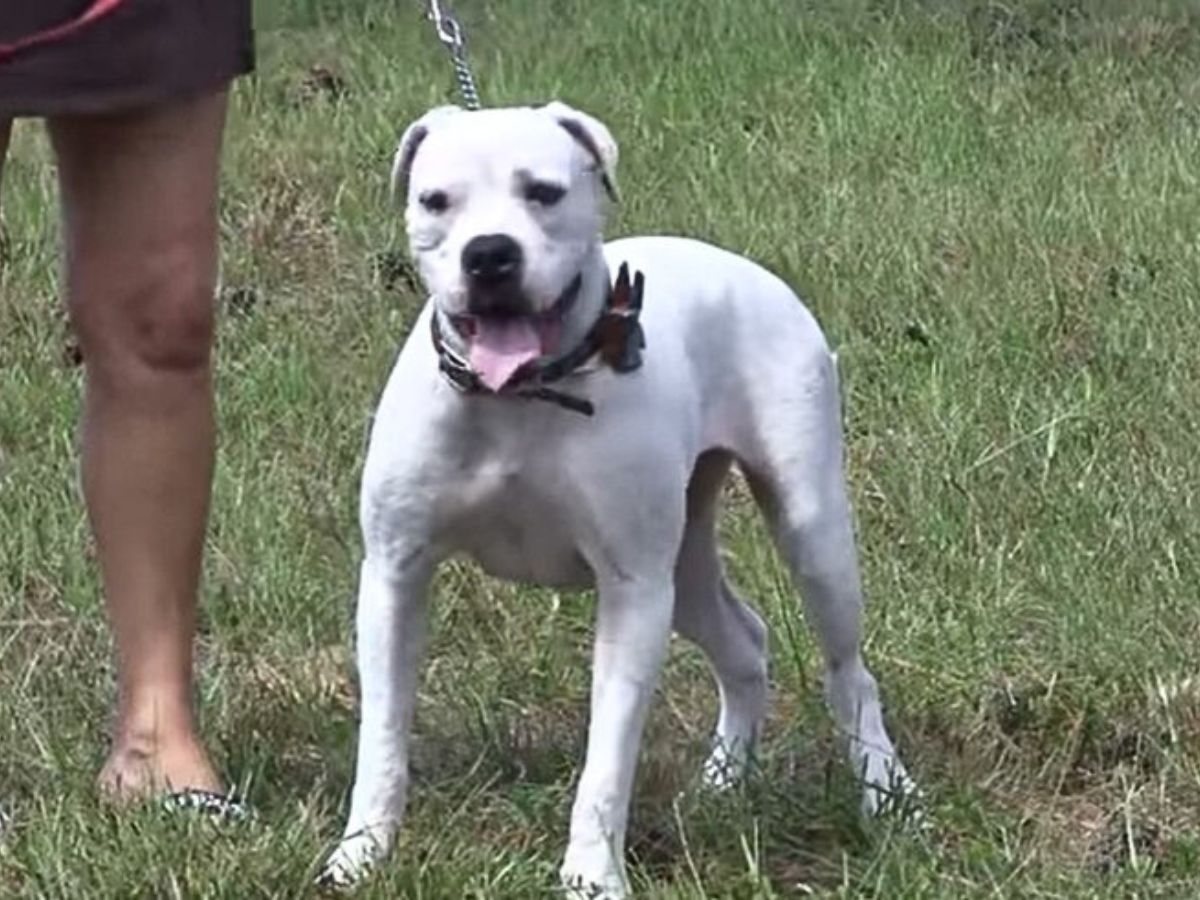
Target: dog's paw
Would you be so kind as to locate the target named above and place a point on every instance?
(350, 862)
(726, 764)
(593, 873)
(890, 790)
(580, 887)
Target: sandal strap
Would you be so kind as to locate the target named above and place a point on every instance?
(210, 803)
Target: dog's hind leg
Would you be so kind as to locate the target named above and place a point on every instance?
(799, 482)
(709, 613)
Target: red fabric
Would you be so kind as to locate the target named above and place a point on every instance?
(98, 9)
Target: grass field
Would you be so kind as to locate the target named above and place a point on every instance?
(994, 210)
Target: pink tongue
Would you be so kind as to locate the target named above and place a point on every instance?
(501, 346)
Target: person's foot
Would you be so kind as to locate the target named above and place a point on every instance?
(146, 761)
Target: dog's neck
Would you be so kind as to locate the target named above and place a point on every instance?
(593, 297)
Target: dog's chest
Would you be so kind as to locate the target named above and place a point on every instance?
(514, 518)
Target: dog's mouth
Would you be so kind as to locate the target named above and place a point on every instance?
(502, 346)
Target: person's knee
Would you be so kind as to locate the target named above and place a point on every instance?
(158, 319)
(171, 319)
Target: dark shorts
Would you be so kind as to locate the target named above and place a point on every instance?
(137, 54)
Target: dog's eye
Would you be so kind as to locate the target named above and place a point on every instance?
(435, 201)
(544, 193)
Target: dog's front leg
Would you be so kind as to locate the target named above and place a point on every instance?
(632, 629)
(390, 624)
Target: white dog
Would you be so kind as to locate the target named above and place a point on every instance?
(525, 426)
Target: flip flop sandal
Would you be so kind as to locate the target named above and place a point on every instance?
(222, 807)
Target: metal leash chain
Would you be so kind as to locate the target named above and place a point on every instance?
(451, 34)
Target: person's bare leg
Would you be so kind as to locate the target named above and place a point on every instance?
(139, 196)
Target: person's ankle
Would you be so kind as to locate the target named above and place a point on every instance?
(149, 716)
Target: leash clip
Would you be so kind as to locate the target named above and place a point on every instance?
(451, 34)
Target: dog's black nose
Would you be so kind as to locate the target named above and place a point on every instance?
(492, 259)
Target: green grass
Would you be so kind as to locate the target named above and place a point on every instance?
(993, 209)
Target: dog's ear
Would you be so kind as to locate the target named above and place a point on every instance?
(595, 138)
(410, 143)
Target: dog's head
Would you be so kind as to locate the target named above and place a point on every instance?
(504, 209)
